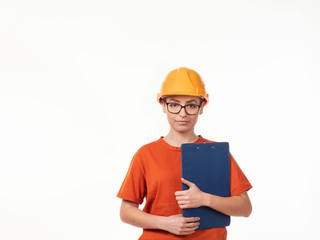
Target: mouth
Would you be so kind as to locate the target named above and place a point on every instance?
(182, 122)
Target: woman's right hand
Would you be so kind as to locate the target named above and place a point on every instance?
(179, 225)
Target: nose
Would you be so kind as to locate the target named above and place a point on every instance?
(182, 112)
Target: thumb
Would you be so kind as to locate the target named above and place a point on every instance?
(186, 182)
(178, 215)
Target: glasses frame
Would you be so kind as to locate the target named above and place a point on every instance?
(181, 106)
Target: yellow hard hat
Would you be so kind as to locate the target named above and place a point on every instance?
(183, 81)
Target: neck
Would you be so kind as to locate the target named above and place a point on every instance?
(177, 138)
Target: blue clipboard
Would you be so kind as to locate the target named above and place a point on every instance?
(208, 166)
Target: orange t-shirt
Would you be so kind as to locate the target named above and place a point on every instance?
(155, 174)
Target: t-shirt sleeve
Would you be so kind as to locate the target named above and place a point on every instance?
(239, 182)
(133, 187)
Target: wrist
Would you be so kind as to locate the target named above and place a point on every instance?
(207, 198)
(160, 222)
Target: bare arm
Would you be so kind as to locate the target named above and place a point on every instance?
(239, 205)
(176, 224)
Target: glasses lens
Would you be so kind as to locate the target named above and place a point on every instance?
(174, 107)
(192, 109)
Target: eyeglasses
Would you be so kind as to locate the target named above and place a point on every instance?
(175, 108)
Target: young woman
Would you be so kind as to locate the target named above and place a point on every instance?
(155, 171)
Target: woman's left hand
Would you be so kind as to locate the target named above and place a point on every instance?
(191, 198)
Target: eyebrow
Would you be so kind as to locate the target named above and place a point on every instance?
(190, 101)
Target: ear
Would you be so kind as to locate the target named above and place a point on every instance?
(201, 110)
(164, 107)
(202, 107)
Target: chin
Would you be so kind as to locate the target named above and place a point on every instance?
(182, 129)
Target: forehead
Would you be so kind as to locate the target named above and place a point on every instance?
(183, 98)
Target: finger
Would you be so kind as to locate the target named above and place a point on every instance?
(182, 202)
(186, 182)
(192, 219)
(189, 229)
(187, 232)
(181, 198)
(193, 225)
(178, 215)
(180, 193)
(183, 206)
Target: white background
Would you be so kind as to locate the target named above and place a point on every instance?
(78, 83)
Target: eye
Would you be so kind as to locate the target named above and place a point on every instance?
(192, 106)
(173, 105)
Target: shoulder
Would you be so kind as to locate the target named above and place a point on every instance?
(147, 153)
(150, 146)
(205, 140)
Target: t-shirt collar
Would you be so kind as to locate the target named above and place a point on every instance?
(167, 145)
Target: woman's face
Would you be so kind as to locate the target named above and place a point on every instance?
(182, 122)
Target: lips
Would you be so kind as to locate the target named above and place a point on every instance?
(182, 122)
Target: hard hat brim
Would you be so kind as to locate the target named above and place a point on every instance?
(206, 97)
